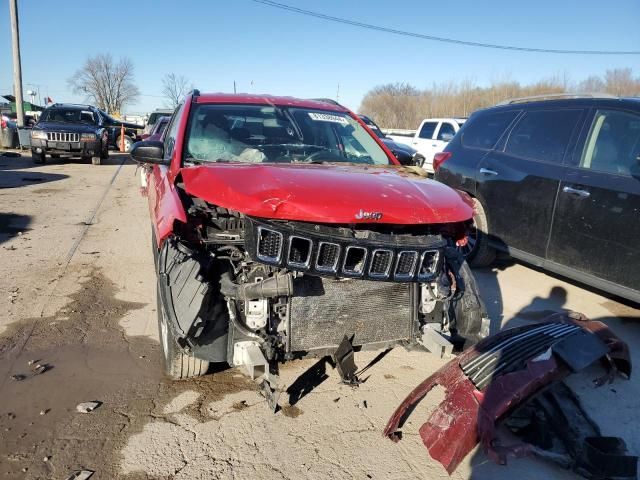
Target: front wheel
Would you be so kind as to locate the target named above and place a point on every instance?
(128, 143)
(38, 157)
(177, 364)
(477, 251)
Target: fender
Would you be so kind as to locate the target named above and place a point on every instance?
(165, 206)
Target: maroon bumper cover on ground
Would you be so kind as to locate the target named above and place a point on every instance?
(504, 371)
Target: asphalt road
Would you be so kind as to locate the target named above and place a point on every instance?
(77, 296)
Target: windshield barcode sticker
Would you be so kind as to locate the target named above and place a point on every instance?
(327, 117)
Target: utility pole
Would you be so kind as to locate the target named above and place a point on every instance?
(17, 68)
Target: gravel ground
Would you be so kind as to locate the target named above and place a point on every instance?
(77, 294)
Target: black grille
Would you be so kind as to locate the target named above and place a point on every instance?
(324, 310)
(299, 251)
(381, 263)
(328, 255)
(428, 265)
(354, 260)
(269, 244)
(406, 264)
(312, 250)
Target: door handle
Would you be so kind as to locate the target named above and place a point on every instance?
(434, 144)
(576, 191)
(486, 171)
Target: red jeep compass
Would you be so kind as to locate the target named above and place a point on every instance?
(284, 227)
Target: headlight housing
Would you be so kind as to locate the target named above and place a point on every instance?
(87, 137)
(38, 134)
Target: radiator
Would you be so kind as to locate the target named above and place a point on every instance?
(324, 310)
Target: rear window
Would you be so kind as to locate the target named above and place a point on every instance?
(543, 135)
(484, 131)
(427, 130)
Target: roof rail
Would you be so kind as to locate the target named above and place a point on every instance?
(555, 96)
(327, 100)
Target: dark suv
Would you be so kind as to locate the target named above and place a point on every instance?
(70, 130)
(556, 183)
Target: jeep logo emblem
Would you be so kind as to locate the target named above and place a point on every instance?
(361, 215)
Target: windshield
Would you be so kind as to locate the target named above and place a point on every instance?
(68, 115)
(269, 134)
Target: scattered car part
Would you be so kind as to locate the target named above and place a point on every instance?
(87, 407)
(345, 363)
(500, 373)
(555, 423)
(80, 475)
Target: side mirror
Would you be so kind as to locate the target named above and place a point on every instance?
(148, 152)
(447, 137)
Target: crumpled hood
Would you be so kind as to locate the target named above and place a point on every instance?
(327, 193)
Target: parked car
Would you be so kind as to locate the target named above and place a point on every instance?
(405, 154)
(432, 137)
(556, 183)
(70, 130)
(158, 129)
(153, 118)
(282, 227)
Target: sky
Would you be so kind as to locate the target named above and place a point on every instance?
(267, 50)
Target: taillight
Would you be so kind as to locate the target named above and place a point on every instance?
(439, 158)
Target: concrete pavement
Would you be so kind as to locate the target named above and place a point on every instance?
(78, 295)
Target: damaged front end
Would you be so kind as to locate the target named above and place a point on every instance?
(488, 382)
(256, 292)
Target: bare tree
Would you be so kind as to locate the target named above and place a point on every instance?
(620, 82)
(175, 87)
(400, 105)
(108, 84)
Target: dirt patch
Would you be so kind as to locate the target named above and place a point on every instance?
(88, 357)
(46, 190)
(291, 411)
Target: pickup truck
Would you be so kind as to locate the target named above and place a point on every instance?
(432, 137)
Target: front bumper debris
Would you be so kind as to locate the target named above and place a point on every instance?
(502, 372)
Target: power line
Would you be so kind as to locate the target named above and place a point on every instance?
(439, 39)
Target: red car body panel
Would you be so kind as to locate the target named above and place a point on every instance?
(326, 193)
(468, 415)
(165, 206)
(318, 193)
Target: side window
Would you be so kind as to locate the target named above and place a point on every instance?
(484, 130)
(427, 130)
(613, 144)
(446, 132)
(543, 135)
(172, 130)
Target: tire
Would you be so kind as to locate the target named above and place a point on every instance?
(104, 153)
(177, 364)
(38, 158)
(96, 160)
(467, 312)
(481, 254)
(128, 143)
